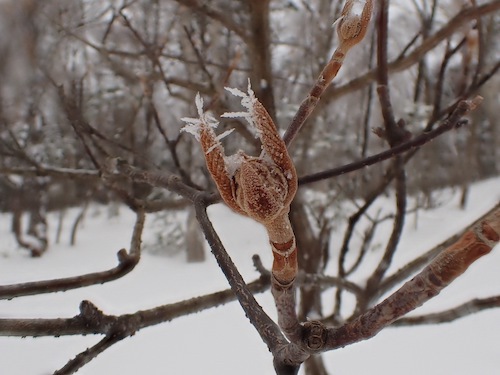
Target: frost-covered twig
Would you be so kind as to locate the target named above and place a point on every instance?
(261, 188)
(351, 29)
(408, 60)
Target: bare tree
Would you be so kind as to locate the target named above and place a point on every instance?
(110, 81)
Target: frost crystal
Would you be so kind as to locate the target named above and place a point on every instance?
(218, 138)
(205, 120)
(248, 101)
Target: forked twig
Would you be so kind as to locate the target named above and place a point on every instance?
(261, 188)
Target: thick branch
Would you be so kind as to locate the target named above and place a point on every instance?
(416, 264)
(445, 268)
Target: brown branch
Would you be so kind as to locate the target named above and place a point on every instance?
(58, 172)
(351, 30)
(308, 280)
(220, 17)
(445, 268)
(259, 54)
(438, 91)
(447, 316)
(391, 129)
(265, 326)
(126, 263)
(397, 229)
(452, 122)
(418, 53)
(140, 319)
(395, 134)
(165, 180)
(416, 264)
(89, 354)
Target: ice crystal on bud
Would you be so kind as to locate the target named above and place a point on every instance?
(248, 100)
(218, 139)
(205, 122)
(233, 163)
(262, 187)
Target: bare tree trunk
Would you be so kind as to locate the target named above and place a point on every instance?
(60, 220)
(195, 241)
(77, 222)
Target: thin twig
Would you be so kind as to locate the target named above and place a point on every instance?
(468, 308)
(453, 121)
(126, 263)
(87, 355)
(418, 53)
(266, 327)
(351, 29)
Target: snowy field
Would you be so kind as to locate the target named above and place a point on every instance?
(221, 340)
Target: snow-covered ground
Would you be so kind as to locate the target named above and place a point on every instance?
(221, 340)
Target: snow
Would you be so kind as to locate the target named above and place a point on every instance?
(221, 340)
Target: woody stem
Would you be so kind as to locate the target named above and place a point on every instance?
(284, 272)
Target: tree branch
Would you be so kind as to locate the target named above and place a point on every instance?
(126, 263)
(265, 326)
(403, 63)
(447, 316)
(452, 122)
(445, 268)
(220, 17)
(413, 266)
(351, 30)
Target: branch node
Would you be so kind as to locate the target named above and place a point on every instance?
(314, 335)
(90, 313)
(125, 259)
